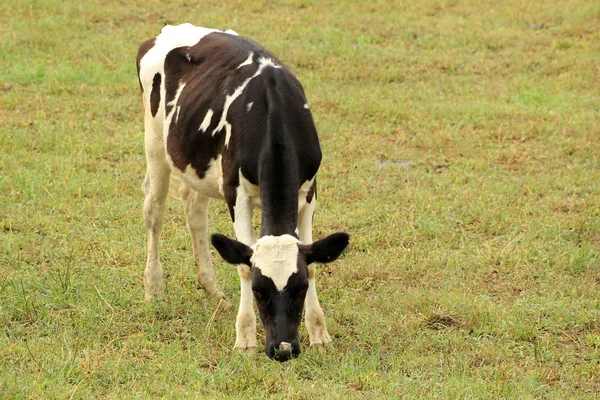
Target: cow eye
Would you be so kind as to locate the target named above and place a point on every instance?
(304, 289)
(256, 294)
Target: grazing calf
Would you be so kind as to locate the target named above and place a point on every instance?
(230, 121)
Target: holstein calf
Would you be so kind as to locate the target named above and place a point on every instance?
(231, 121)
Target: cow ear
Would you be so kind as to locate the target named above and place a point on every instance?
(232, 251)
(326, 250)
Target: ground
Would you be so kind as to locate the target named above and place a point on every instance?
(460, 143)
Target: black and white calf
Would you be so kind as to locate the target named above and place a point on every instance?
(230, 121)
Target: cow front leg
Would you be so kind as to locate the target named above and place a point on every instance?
(305, 219)
(314, 317)
(245, 323)
(155, 188)
(240, 207)
(195, 207)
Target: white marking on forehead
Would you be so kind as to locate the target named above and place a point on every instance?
(276, 257)
(206, 122)
(230, 98)
(249, 106)
(248, 60)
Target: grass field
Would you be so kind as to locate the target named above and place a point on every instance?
(462, 146)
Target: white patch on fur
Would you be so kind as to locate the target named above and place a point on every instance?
(305, 212)
(230, 98)
(250, 190)
(248, 60)
(249, 106)
(174, 110)
(306, 106)
(206, 122)
(268, 62)
(184, 35)
(177, 114)
(212, 183)
(173, 102)
(276, 257)
(303, 192)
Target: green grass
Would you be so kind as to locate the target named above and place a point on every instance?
(461, 151)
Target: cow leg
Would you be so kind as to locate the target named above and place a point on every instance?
(314, 318)
(195, 206)
(155, 188)
(305, 219)
(245, 323)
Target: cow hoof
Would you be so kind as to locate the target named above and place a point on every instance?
(154, 295)
(248, 350)
(153, 290)
(319, 346)
(220, 295)
(223, 302)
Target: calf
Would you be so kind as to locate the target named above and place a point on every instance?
(230, 121)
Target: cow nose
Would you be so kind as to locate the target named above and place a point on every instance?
(283, 352)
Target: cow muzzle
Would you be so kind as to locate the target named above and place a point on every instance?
(284, 351)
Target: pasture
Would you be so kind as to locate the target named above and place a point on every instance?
(461, 152)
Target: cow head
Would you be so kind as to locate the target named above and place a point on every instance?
(279, 270)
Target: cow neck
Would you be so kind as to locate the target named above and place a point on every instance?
(278, 172)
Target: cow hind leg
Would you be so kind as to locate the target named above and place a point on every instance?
(195, 206)
(155, 188)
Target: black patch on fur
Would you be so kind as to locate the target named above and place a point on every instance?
(144, 48)
(155, 94)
